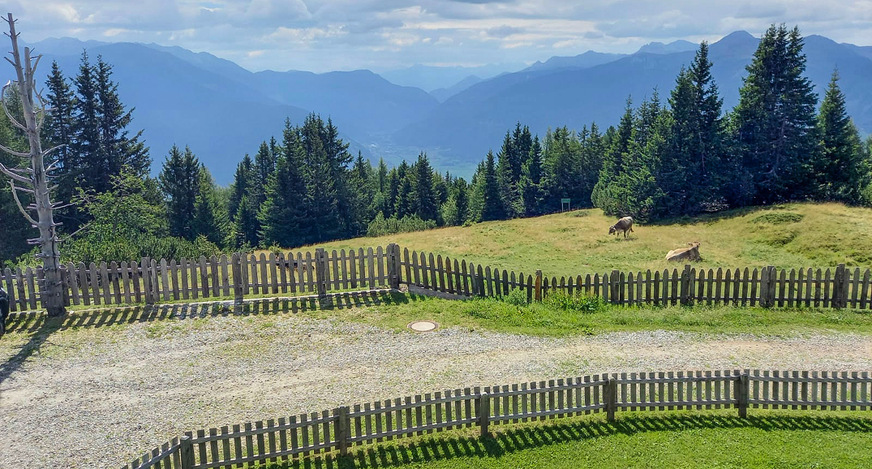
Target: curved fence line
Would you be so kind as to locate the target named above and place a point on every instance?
(339, 429)
(240, 275)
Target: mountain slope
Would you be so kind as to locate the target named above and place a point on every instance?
(470, 123)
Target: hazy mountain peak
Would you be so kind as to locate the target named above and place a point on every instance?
(671, 48)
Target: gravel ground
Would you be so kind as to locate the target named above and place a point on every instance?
(97, 396)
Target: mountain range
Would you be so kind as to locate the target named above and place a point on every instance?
(223, 111)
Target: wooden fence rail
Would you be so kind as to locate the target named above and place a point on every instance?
(152, 281)
(840, 287)
(338, 430)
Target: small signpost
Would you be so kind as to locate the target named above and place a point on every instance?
(564, 204)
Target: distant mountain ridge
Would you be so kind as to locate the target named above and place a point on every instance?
(223, 111)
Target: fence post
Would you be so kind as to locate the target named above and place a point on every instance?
(767, 286)
(483, 412)
(615, 287)
(342, 429)
(686, 286)
(145, 267)
(839, 291)
(740, 390)
(611, 397)
(238, 286)
(394, 267)
(186, 450)
(321, 278)
(537, 293)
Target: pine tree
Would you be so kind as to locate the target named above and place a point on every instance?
(775, 119)
(531, 181)
(209, 217)
(58, 131)
(562, 168)
(179, 180)
(118, 151)
(85, 143)
(403, 200)
(283, 215)
(243, 179)
(620, 140)
(492, 207)
(424, 197)
(693, 171)
(839, 171)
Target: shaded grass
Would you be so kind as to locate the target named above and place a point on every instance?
(671, 439)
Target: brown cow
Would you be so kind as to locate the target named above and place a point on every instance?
(685, 254)
(624, 224)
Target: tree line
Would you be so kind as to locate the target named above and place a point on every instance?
(663, 160)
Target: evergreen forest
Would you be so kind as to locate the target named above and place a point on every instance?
(671, 156)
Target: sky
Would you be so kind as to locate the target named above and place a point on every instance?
(383, 35)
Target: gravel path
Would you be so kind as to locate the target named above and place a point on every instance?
(95, 396)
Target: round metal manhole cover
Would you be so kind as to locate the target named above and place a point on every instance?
(423, 326)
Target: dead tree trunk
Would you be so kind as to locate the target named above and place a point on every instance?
(33, 179)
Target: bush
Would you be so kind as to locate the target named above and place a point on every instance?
(516, 297)
(577, 303)
(381, 226)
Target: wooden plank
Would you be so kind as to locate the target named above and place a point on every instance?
(443, 287)
(343, 262)
(174, 279)
(380, 260)
(164, 282)
(371, 273)
(334, 261)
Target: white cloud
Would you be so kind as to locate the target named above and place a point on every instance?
(358, 33)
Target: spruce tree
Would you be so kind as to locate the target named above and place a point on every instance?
(179, 180)
(243, 179)
(425, 203)
(118, 151)
(839, 172)
(58, 130)
(531, 181)
(492, 207)
(775, 119)
(209, 217)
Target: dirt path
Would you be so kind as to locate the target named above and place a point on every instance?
(93, 397)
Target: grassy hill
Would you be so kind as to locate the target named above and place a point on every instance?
(577, 242)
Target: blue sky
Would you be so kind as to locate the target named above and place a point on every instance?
(325, 35)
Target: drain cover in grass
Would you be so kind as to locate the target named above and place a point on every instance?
(423, 326)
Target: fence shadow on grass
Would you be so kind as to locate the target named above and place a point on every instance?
(511, 440)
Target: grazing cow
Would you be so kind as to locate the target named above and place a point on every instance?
(624, 224)
(685, 254)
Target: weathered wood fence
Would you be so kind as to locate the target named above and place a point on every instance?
(150, 281)
(840, 287)
(338, 430)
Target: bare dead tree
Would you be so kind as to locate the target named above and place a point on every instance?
(33, 179)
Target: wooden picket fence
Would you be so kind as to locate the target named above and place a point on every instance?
(150, 281)
(338, 430)
(831, 288)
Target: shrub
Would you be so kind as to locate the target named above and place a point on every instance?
(577, 303)
(517, 297)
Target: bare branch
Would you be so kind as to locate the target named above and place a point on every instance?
(12, 119)
(14, 176)
(13, 152)
(20, 206)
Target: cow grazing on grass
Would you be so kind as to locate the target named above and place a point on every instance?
(624, 224)
(685, 254)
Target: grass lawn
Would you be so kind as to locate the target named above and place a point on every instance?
(712, 439)
(577, 242)
(563, 317)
